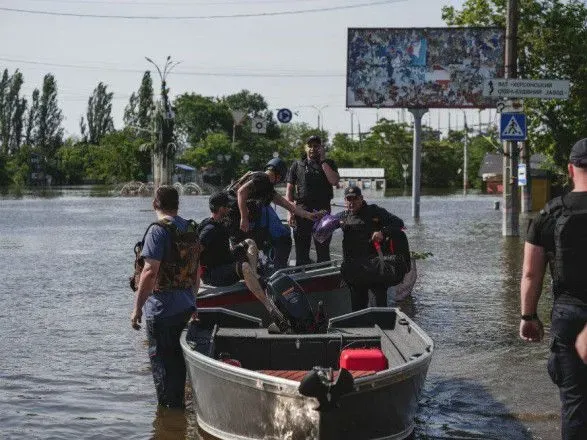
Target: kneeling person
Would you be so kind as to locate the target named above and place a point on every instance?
(223, 266)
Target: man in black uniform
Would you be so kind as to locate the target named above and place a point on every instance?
(223, 266)
(362, 226)
(311, 179)
(558, 236)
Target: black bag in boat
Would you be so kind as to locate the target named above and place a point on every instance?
(291, 300)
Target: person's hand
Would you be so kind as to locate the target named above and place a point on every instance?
(377, 236)
(194, 316)
(581, 344)
(291, 219)
(244, 224)
(135, 319)
(531, 331)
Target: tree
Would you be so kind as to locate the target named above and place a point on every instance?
(552, 44)
(197, 116)
(49, 132)
(11, 111)
(140, 108)
(98, 116)
(31, 118)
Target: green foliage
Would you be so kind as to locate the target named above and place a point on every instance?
(552, 44)
(48, 131)
(12, 107)
(98, 115)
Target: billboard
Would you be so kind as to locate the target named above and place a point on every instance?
(422, 67)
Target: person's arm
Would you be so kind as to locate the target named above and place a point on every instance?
(289, 190)
(278, 199)
(330, 171)
(530, 289)
(581, 344)
(146, 284)
(242, 196)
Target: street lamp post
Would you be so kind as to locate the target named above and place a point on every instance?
(405, 174)
(352, 113)
(319, 110)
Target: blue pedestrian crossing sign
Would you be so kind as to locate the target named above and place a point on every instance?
(512, 127)
(284, 115)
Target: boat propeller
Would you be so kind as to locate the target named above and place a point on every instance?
(320, 383)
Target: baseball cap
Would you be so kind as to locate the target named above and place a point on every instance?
(314, 140)
(218, 200)
(578, 156)
(352, 191)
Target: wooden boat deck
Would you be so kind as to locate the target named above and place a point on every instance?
(298, 375)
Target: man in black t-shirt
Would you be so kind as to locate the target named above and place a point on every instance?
(309, 184)
(223, 266)
(558, 236)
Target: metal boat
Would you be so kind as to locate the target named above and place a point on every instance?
(250, 384)
(320, 281)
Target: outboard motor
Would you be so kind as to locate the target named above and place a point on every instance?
(291, 300)
(321, 384)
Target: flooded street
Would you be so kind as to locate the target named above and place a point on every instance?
(73, 368)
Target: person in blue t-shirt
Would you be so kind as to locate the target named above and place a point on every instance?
(167, 305)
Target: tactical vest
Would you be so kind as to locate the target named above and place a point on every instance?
(312, 186)
(570, 249)
(178, 270)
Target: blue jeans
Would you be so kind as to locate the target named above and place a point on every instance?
(567, 370)
(167, 363)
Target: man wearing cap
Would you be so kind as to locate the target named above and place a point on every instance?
(362, 226)
(309, 184)
(223, 266)
(558, 236)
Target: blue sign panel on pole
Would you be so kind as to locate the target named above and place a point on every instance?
(284, 115)
(512, 127)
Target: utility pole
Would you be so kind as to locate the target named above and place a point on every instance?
(465, 157)
(510, 220)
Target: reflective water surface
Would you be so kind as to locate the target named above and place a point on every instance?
(71, 366)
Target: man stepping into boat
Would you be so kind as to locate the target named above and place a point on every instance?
(254, 192)
(223, 266)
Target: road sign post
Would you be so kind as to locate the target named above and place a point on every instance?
(512, 127)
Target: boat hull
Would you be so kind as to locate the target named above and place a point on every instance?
(237, 403)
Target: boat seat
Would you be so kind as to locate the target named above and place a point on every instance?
(298, 375)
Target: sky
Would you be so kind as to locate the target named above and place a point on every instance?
(292, 52)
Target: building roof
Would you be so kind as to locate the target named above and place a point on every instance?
(184, 167)
(377, 173)
(493, 164)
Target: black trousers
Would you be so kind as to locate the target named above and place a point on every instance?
(567, 370)
(167, 363)
(303, 240)
(357, 274)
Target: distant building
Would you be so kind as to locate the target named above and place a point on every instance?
(184, 173)
(491, 172)
(365, 178)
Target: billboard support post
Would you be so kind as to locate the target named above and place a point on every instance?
(418, 113)
(510, 220)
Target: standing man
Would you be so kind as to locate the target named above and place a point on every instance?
(166, 292)
(362, 226)
(558, 236)
(309, 184)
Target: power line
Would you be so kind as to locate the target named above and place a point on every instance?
(201, 17)
(169, 3)
(184, 72)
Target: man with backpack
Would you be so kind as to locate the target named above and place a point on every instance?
(558, 236)
(309, 183)
(368, 232)
(166, 282)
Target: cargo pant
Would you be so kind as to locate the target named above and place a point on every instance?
(167, 362)
(567, 370)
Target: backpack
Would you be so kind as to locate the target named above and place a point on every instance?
(393, 260)
(570, 241)
(179, 269)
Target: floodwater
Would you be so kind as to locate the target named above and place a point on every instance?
(72, 367)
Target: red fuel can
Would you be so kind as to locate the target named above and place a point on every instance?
(370, 359)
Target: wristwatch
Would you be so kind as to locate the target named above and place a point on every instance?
(531, 317)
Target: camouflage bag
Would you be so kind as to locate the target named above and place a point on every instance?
(179, 269)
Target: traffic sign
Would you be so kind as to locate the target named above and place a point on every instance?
(512, 127)
(284, 115)
(522, 179)
(526, 88)
(259, 126)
